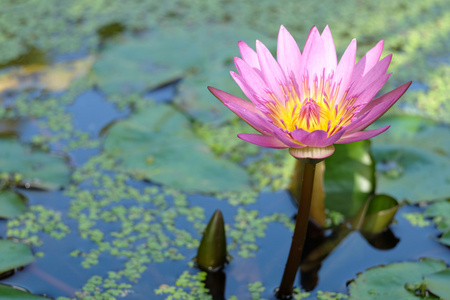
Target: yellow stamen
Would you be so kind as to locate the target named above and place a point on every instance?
(312, 108)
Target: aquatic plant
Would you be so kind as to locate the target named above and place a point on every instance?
(307, 102)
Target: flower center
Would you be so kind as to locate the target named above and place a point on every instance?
(311, 106)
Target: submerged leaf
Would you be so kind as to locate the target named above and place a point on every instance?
(158, 144)
(14, 255)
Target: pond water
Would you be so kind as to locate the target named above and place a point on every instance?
(58, 274)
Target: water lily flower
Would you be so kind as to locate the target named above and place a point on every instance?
(307, 101)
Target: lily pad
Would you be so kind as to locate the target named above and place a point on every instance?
(194, 98)
(14, 255)
(37, 169)
(168, 54)
(417, 174)
(416, 131)
(158, 144)
(144, 64)
(445, 238)
(349, 178)
(440, 212)
(388, 282)
(11, 293)
(12, 204)
(413, 159)
(437, 283)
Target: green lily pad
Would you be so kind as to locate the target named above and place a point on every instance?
(417, 174)
(437, 283)
(143, 64)
(158, 144)
(438, 209)
(12, 204)
(195, 99)
(10, 293)
(416, 131)
(14, 255)
(37, 169)
(413, 158)
(349, 178)
(445, 238)
(388, 282)
(440, 212)
(166, 55)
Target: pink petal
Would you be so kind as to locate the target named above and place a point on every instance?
(376, 108)
(244, 109)
(272, 72)
(344, 70)
(377, 71)
(310, 139)
(267, 141)
(312, 60)
(368, 61)
(330, 50)
(372, 90)
(246, 89)
(317, 138)
(283, 136)
(254, 84)
(288, 53)
(228, 98)
(361, 135)
(253, 119)
(248, 55)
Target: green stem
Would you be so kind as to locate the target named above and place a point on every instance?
(298, 239)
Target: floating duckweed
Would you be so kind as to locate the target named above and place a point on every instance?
(222, 140)
(416, 219)
(98, 288)
(187, 286)
(243, 198)
(273, 171)
(330, 296)
(248, 227)
(37, 219)
(255, 289)
(299, 295)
